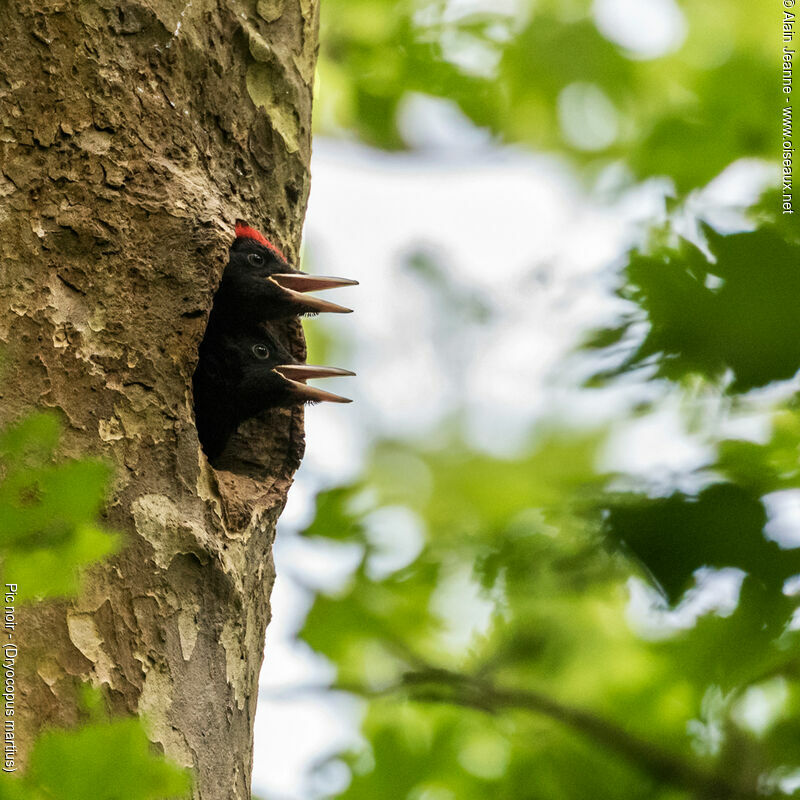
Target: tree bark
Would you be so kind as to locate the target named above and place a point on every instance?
(134, 134)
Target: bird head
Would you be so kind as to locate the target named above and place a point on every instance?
(258, 282)
(270, 378)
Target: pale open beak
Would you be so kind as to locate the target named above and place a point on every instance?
(297, 374)
(296, 284)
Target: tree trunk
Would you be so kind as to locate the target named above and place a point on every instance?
(134, 134)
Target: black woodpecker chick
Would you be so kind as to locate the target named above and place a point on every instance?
(239, 375)
(259, 285)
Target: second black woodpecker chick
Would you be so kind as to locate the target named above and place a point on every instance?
(240, 375)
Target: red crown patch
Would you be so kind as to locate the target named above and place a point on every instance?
(244, 231)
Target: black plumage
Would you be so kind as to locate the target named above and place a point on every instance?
(239, 375)
(244, 369)
(258, 285)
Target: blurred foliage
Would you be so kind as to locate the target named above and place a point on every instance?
(98, 761)
(728, 314)
(543, 74)
(552, 633)
(48, 534)
(722, 526)
(48, 511)
(516, 603)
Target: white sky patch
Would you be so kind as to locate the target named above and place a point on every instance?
(322, 564)
(587, 116)
(294, 729)
(724, 202)
(473, 55)
(656, 447)
(715, 591)
(463, 607)
(340, 460)
(647, 28)
(434, 124)
(783, 508)
(762, 706)
(316, 725)
(397, 535)
(513, 229)
(289, 663)
(299, 509)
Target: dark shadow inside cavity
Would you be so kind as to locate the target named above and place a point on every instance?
(265, 446)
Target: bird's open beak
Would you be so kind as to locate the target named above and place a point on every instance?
(295, 285)
(298, 374)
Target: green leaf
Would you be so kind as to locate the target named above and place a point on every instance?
(745, 647)
(721, 527)
(732, 314)
(687, 142)
(33, 437)
(333, 518)
(54, 571)
(48, 511)
(687, 114)
(107, 761)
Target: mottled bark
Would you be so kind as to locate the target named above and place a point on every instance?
(133, 135)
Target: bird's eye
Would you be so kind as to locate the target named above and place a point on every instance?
(256, 259)
(260, 351)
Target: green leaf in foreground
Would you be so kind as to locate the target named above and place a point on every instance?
(48, 511)
(105, 761)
